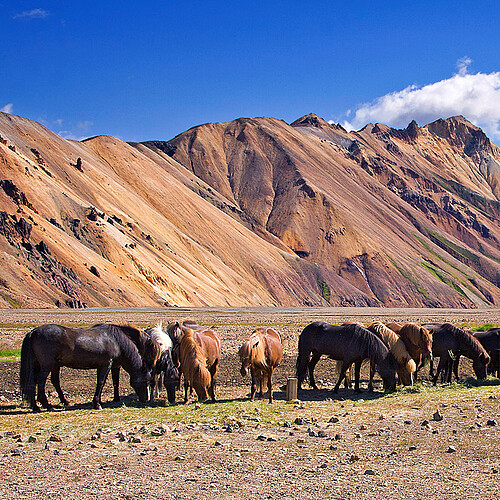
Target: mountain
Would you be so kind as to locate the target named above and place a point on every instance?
(252, 212)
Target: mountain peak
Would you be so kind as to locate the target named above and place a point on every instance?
(311, 120)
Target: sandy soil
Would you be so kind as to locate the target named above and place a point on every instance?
(326, 446)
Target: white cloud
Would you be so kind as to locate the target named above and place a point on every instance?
(475, 96)
(7, 108)
(70, 135)
(31, 14)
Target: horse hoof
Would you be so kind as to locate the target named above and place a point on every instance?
(36, 409)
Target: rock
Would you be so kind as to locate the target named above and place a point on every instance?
(353, 458)
(437, 417)
(229, 428)
(381, 417)
(197, 406)
(121, 436)
(454, 431)
(424, 423)
(362, 427)
(32, 439)
(357, 435)
(299, 421)
(323, 466)
(17, 452)
(217, 443)
(180, 458)
(271, 439)
(369, 472)
(57, 452)
(492, 423)
(407, 422)
(412, 448)
(17, 437)
(261, 438)
(55, 438)
(47, 446)
(322, 434)
(95, 437)
(435, 431)
(287, 424)
(312, 433)
(97, 444)
(338, 437)
(333, 420)
(451, 449)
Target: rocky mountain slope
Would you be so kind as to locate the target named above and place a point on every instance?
(252, 212)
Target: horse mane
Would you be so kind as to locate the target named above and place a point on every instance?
(163, 339)
(254, 351)
(395, 345)
(469, 340)
(412, 331)
(366, 339)
(193, 361)
(127, 346)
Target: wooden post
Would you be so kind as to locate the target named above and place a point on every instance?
(291, 389)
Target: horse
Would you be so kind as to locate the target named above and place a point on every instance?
(262, 352)
(166, 372)
(417, 340)
(347, 343)
(406, 364)
(199, 357)
(48, 347)
(149, 350)
(450, 342)
(490, 340)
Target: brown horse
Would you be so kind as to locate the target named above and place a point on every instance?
(418, 342)
(199, 356)
(406, 364)
(262, 352)
(148, 348)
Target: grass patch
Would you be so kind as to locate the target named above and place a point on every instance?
(484, 328)
(10, 353)
(453, 249)
(439, 273)
(11, 301)
(325, 290)
(410, 277)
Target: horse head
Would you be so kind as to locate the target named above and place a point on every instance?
(140, 381)
(425, 342)
(387, 370)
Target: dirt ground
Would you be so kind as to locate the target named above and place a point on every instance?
(324, 446)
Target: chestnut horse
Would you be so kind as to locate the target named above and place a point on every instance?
(262, 352)
(418, 342)
(406, 364)
(199, 356)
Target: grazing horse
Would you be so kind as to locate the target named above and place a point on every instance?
(490, 340)
(406, 364)
(148, 348)
(262, 352)
(347, 343)
(199, 356)
(48, 347)
(166, 372)
(418, 342)
(449, 343)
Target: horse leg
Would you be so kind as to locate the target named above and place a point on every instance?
(270, 384)
(254, 385)
(456, 363)
(186, 388)
(343, 370)
(211, 389)
(372, 374)
(102, 375)
(357, 369)
(440, 367)
(41, 396)
(54, 378)
(431, 368)
(312, 364)
(115, 375)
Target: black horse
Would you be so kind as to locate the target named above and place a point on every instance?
(449, 342)
(349, 343)
(490, 340)
(48, 347)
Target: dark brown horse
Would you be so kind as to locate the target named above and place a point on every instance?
(347, 343)
(449, 343)
(490, 340)
(262, 352)
(199, 356)
(49, 347)
(148, 348)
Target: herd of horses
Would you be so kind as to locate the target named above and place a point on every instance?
(155, 358)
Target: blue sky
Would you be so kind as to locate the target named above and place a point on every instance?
(151, 70)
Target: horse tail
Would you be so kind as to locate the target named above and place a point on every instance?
(27, 369)
(304, 355)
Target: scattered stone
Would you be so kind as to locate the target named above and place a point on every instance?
(217, 443)
(407, 422)
(492, 423)
(17, 452)
(451, 449)
(287, 424)
(261, 437)
(424, 423)
(353, 458)
(312, 433)
(121, 436)
(47, 446)
(229, 428)
(412, 448)
(362, 427)
(437, 417)
(333, 420)
(479, 424)
(136, 439)
(197, 406)
(333, 447)
(57, 452)
(97, 444)
(94, 437)
(323, 466)
(322, 434)
(369, 472)
(435, 431)
(357, 435)
(299, 421)
(55, 438)
(17, 437)
(381, 417)
(180, 458)
(338, 437)
(454, 431)
(271, 439)
(32, 439)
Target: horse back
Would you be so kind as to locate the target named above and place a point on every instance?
(273, 348)
(210, 344)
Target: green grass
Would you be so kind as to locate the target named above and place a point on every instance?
(484, 328)
(10, 353)
(439, 273)
(11, 300)
(452, 248)
(325, 290)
